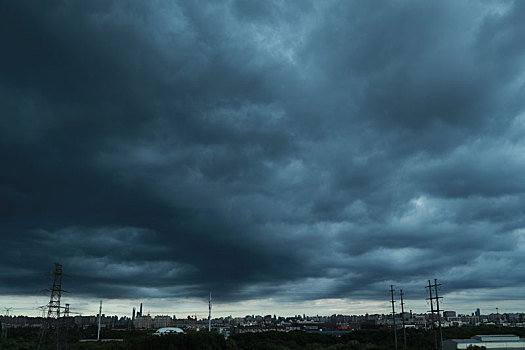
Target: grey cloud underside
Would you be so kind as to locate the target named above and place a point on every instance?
(297, 150)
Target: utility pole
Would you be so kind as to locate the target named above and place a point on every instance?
(393, 314)
(209, 313)
(403, 318)
(432, 314)
(438, 312)
(99, 316)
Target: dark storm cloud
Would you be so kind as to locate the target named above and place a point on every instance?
(299, 150)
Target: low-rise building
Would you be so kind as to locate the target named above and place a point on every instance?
(490, 342)
(143, 322)
(161, 321)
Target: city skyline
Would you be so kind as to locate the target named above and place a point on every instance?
(283, 155)
(198, 306)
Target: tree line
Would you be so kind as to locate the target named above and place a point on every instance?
(381, 339)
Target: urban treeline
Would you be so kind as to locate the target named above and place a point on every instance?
(379, 339)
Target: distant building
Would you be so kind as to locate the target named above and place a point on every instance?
(478, 312)
(494, 342)
(168, 330)
(448, 314)
(161, 321)
(85, 320)
(143, 322)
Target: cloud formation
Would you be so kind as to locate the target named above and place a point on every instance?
(301, 150)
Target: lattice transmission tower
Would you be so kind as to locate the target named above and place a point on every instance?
(53, 308)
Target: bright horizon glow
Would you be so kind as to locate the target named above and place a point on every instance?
(183, 307)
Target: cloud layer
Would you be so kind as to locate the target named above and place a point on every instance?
(300, 150)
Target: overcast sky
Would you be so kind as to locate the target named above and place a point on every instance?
(278, 153)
